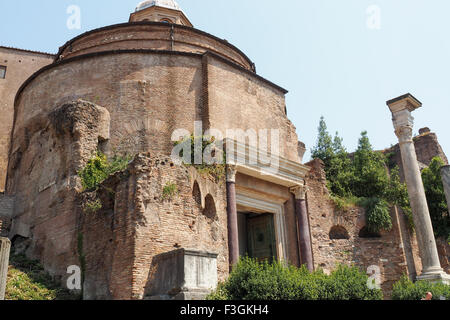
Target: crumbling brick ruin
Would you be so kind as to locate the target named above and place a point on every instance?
(124, 90)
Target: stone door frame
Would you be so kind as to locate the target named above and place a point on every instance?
(259, 204)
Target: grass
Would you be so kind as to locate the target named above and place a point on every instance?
(27, 280)
(170, 190)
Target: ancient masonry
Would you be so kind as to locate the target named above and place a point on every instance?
(124, 89)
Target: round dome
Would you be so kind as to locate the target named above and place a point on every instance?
(170, 4)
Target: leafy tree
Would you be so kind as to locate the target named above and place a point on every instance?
(339, 172)
(370, 178)
(324, 147)
(362, 178)
(437, 203)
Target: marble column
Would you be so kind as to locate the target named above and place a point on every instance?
(233, 235)
(5, 246)
(304, 235)
(403, 123)
(445, 172)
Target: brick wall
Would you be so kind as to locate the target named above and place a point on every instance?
(137, 224)
(20, 65)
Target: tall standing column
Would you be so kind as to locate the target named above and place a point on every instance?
(5, 246)
(403, 122)
(304, 235)
(233, 235)
(445, 172)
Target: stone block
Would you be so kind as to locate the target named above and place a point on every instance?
(183, 275)
(5, 247)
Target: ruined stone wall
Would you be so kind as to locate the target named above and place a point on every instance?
(20, 64)
(427, 147)
(6, 210)
(386, 252)
(43, 178)
(137, 223)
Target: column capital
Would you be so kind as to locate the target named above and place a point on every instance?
(231, 173)
(299, 191)
(403, 124)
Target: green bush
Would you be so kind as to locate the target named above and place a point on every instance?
(99, 168)
(437, 203)
(252, 280)
(405, 289)
(378, 216)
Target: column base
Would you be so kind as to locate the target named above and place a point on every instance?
(435, 277)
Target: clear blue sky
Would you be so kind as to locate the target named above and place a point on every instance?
(322, 51)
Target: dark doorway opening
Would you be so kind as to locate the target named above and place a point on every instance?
(257, 236)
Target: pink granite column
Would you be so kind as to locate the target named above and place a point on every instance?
(304, 235)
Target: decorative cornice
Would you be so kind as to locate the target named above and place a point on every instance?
(286, 173)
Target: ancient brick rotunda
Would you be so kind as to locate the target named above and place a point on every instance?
(124, 90)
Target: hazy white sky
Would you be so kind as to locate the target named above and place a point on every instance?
(324, 52)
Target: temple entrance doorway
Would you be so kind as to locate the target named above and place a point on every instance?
(257, 237)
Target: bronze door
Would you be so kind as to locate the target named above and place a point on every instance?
(261, 237)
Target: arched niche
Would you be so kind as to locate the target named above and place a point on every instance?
(339, 233)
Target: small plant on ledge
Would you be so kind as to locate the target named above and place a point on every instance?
(92, 206)
(216, 170)
(170, 190)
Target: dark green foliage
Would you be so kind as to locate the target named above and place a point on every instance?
(398, 194)
(437, 203)
(324, 147)
(405, 289)
(362, 178)
(370, 177)
(378, 216)
(99, 168)
(252, 280)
